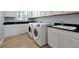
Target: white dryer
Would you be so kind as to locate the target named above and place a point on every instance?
(40, 34)
(29, 30)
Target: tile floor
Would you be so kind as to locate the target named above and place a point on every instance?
(20, 41)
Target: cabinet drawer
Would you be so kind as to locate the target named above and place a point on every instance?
(67, 42)
(53, 30)
(70, 34)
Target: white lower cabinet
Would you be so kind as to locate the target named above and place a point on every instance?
(53, 38)
(10, 30)
(62, 39)
(68, 42)
(13, 30)
(22, 28)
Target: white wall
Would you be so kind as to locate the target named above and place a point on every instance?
(71, 19)
(1, 26)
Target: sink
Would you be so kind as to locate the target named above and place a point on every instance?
(65, 27)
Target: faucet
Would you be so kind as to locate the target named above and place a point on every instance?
(62, 23)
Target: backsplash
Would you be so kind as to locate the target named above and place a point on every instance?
(9, 19)
(70, 19)
(12, 19)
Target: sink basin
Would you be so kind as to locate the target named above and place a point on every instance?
(65, 27)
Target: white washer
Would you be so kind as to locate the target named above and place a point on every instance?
(40, 34)
(30, 29)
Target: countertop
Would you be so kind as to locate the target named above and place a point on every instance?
(76, 25)
(65, 29)
(17, 22)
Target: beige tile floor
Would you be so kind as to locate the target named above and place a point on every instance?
(20, 41)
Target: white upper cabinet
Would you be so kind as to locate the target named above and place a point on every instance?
(57, 12)
(32, 14)
(62, 12)
(42, 13)
(50, 13)
(68, 12)
(29, 14)
(35, 13)
(10, 13)
(19, 15)
(47, 13)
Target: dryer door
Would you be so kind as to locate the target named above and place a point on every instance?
(36, 34)
(29, 29)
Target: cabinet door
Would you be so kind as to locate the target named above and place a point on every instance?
(35, 13)
(31, 14)
(22, 28)
(53, 38)
(45, 13)
(67, 12)
(13, 30)
(21, 15)
(68, 42)
(42, 13)
(10, 30)
(10, 14)
(57, 12)
(39, 13)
